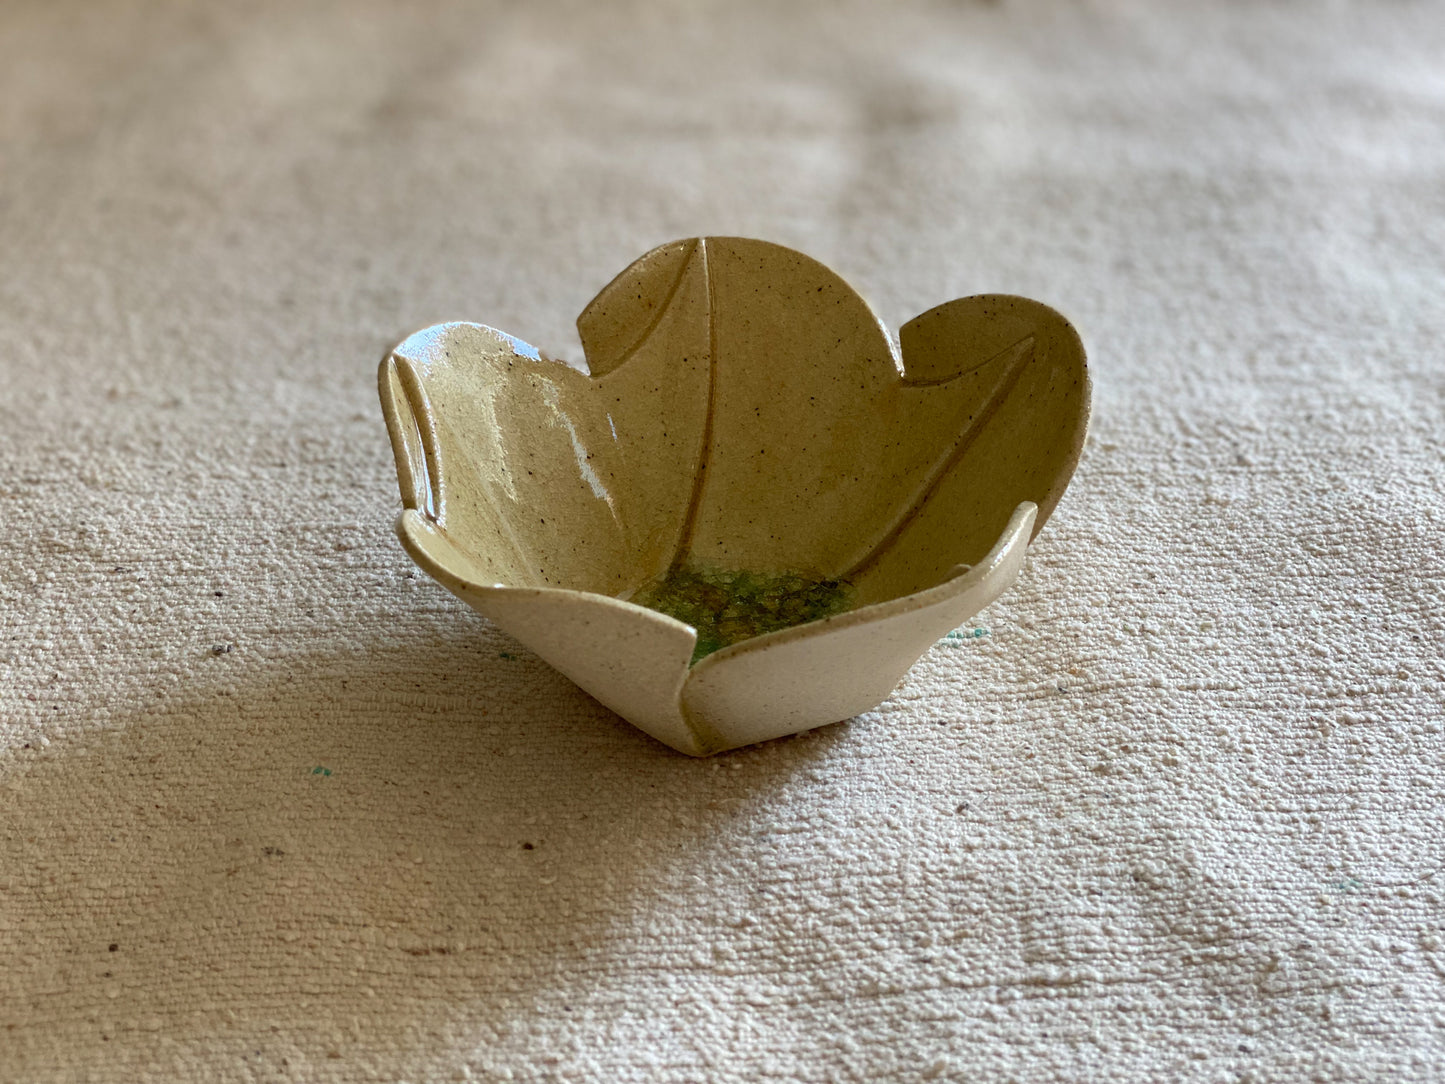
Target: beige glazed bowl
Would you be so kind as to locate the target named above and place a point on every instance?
(754, 512)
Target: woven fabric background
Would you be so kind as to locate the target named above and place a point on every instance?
(273, 806)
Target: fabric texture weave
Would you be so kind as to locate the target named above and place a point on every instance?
(275, 806)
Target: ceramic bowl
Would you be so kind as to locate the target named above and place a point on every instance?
(753, 513)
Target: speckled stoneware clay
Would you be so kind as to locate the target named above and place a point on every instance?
(753, 513)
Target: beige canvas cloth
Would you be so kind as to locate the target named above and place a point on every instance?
(275, 807)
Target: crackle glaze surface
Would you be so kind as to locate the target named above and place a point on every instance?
(747, 445)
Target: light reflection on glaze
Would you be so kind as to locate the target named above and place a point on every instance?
(549, 396)
(427, 345)
(526, 350)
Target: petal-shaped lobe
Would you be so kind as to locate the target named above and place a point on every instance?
(555, 477)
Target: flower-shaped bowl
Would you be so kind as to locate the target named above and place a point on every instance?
(754, 512)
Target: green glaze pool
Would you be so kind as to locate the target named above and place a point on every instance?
(730, 606)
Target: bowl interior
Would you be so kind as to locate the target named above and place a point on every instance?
(748, 451)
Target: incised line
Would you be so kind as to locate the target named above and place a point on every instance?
(946, 464)
(425, 423)
(637, 343)
(689, 523)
